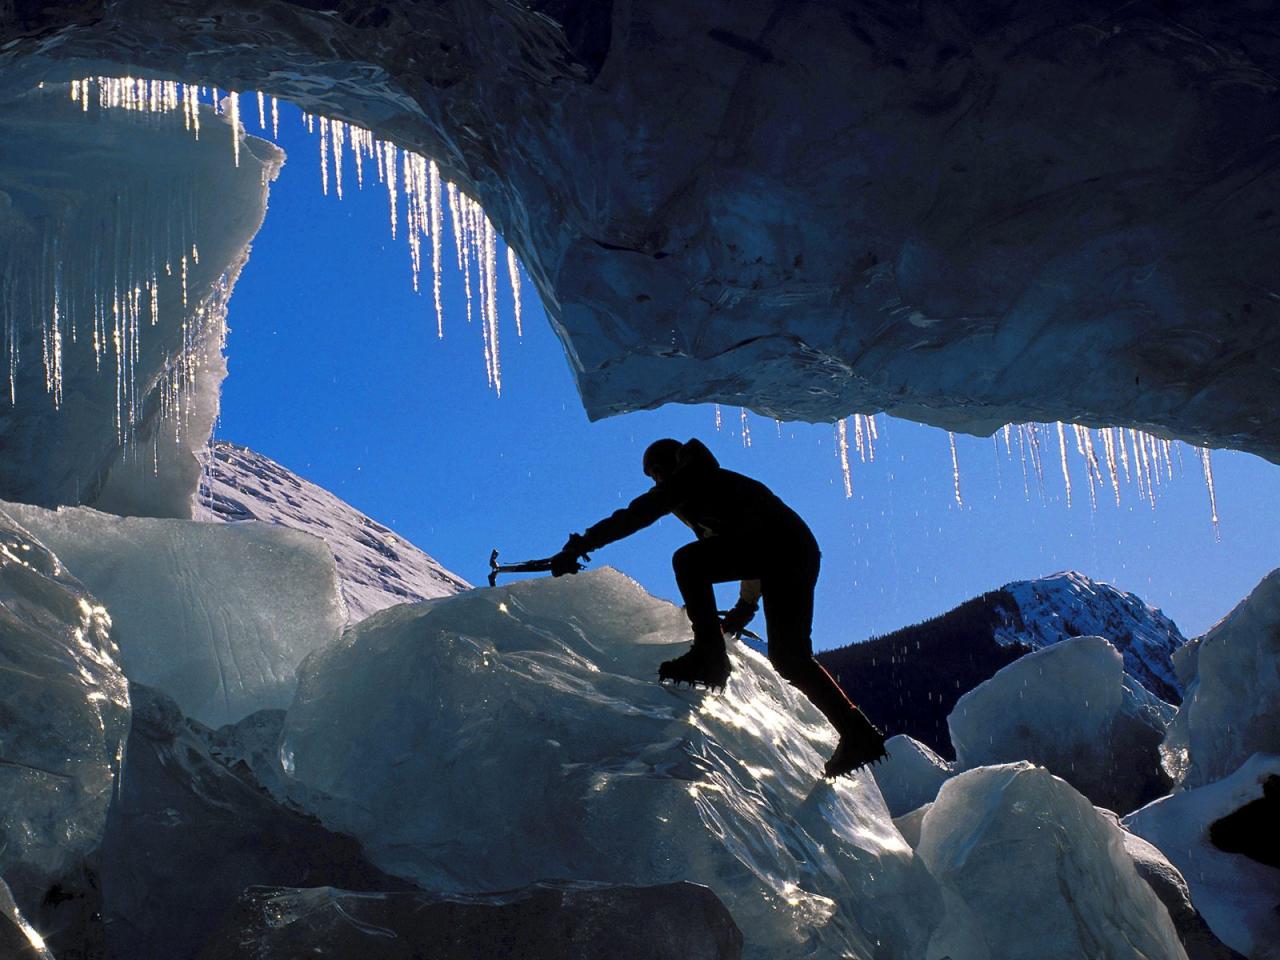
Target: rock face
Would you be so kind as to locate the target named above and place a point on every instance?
(964, 215)
(1232, 707)
(541, 922)
(1236, 895)
(1013, 842)
(64, 716)
(216, 616)
(186, 836)
(120, 242)
(376, 568)
(486, 741)
(1071, 708)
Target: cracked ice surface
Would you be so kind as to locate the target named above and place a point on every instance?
(64, 717)
(504, 736)
(217, 616)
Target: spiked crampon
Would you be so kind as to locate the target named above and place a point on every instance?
(704, 665)
(860, 744)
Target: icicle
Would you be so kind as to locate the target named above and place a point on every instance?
(437, 226)
(491, 269)
(324, 155)
(746, 427)
(389, 153)
(718, 418)
(235, 124)
(275, 119)
(1206, 464)
(1066, 472)
(513, 271)
(842, 452)
(955, 468)
(1109, 451)
(262, 111)
(338, 133)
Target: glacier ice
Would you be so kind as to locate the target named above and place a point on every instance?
(1236, 895)
(64, 715)
(1031, 870)
(503, 736)
(1069, 707)
(120, 241)
(545, 921)
(18, 939)
(911, 776)
(376, 568)
(188, 833)
(218, 616)
(1232, 706)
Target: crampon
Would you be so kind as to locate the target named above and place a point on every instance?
(859, 746)
(699, 667)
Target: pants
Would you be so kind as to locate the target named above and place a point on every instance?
(787, 569)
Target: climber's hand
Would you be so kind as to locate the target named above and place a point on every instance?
(736, 620)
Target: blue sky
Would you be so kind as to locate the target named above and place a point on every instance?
(336, 372)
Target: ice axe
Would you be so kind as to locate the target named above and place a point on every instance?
(526, 566)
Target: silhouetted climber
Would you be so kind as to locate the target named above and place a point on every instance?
(744, 533)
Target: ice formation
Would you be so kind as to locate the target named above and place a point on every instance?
(398, 170)
(485, 741)
(65, 717)
(376, 567)
(188, 832)
(1236, 895)
(911, 776)
(18, 939)
(120, 241)
(1230, 709)
(1030, 869)
(217, 616)
(1071, 708)
(545, 921)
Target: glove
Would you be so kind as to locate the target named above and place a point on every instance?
(566, 561)
(736, 620)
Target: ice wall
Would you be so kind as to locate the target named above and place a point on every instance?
(121, 236)
(217, 616)
(64, 713)
(1232, 706)
(485, 741)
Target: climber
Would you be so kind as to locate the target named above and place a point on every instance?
(744, 532)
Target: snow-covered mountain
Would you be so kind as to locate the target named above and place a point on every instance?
(376, 567)
(1069, 604)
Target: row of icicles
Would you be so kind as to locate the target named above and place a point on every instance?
(1109, 453)
(405, 174)
(1113, 456)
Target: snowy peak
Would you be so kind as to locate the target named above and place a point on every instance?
(1069, 604)
(376, 568)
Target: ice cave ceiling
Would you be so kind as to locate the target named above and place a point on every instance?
(964, 213)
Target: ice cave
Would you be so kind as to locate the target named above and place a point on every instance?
(240, 718)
